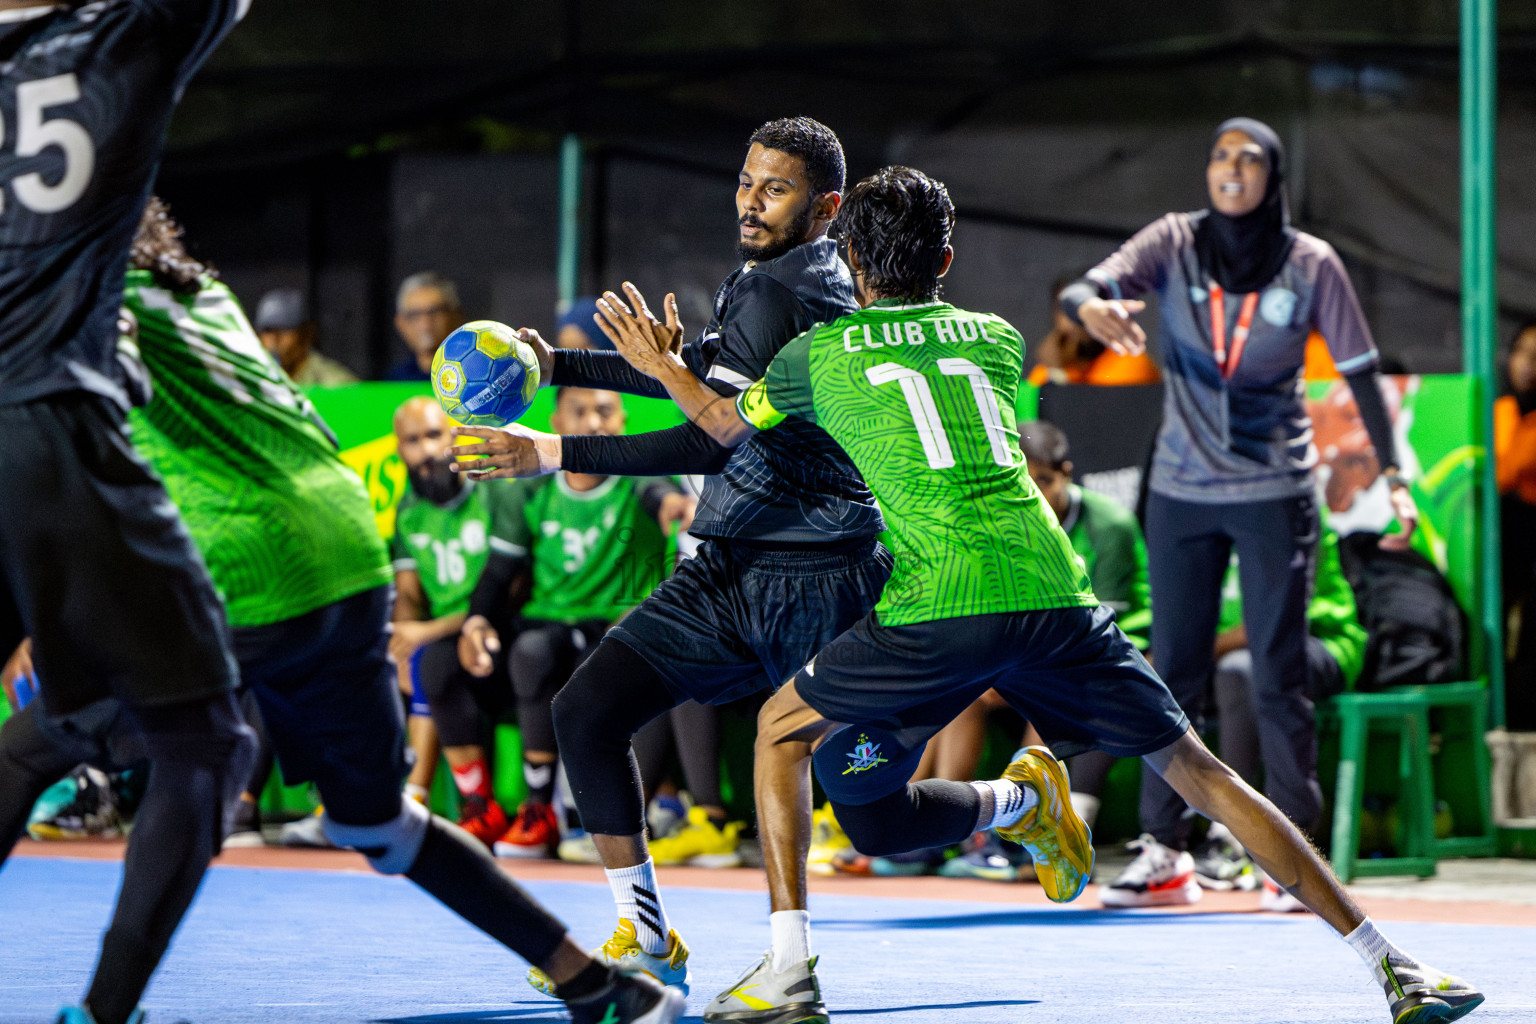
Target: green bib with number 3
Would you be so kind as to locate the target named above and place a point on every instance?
(921, 397)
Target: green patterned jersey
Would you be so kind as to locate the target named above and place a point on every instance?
(596, 554)
(921, 397)
(283, 524)
(448, 545)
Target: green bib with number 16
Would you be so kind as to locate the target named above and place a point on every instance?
(921, 397)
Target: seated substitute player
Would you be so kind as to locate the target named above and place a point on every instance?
(95, 564)
(444, 538)
(987, 592)
(291, 530)
(790, 555)
(594, 547)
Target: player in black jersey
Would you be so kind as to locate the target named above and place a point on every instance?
(789, 555)
(96, 565)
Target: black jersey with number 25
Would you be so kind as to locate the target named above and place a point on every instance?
(86, 95)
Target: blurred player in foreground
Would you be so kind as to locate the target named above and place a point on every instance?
(987, 592)
(95, 564)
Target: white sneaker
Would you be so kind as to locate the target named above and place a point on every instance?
(1159, 877)
(578, 848)
(307, 832)
(1278, 900)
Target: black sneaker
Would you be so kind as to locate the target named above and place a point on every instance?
(1422, 995)
(629, 999)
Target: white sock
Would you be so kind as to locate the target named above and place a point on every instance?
(638, 898)
(791, 938)
(1010, 802)
(417, 792)
(1373, 947)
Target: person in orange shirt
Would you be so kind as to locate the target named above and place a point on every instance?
(1514, 446)
(1067, 355)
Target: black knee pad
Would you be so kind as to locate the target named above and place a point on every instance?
(869, 825)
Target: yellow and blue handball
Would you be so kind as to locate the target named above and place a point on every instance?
(484, 375)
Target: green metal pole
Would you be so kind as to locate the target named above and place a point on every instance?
(1479, 306)
(568, 269)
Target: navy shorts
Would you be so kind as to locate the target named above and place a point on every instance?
(737, 618)
(1070, 671)
(330, 699)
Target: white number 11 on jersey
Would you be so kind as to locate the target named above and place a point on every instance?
(925, 414)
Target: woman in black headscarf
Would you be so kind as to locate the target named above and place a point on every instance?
(1239, 290)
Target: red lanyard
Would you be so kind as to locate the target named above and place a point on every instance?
(1228, 365)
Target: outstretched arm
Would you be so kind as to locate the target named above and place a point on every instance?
(651, 347)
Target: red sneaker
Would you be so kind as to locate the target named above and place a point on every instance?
(484, 819)
(535, 832)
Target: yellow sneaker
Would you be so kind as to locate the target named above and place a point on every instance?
(827, 838)
(700, 843)
(1058, 840)
(624, 952)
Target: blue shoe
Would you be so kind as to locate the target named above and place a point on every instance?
(80, 1015)
(906, 865)
(986, 856)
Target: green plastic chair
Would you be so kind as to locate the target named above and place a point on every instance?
(1456, 768)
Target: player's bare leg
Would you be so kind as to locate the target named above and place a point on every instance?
(1417, 993)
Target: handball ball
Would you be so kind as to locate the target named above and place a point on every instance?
(484, 375)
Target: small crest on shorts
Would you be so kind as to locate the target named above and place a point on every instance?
(863, 757)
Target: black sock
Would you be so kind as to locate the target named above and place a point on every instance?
(460, 872)
(541, 781)
(593, 979)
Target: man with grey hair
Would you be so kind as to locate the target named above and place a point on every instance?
(287, 329)
(427, 310)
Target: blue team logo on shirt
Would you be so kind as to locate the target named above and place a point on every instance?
(1277, 305)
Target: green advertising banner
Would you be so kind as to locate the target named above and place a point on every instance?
(362, 416)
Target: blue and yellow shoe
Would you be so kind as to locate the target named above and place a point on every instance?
(623, 951)
(1422, 995)
(1057, 839)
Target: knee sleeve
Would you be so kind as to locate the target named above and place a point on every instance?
(934, 812)
(391, 847)
(449, 694)
(209, 734)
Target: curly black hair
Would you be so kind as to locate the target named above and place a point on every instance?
(897, 222)
(158, 248)
(811, 141)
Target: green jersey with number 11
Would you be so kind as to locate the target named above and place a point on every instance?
(921, 397)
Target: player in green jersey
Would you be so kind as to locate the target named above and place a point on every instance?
(314, 633)
(444, 537)
(986, 593)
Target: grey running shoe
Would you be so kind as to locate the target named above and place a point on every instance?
(1422, 995)
(307, 832)
(762, 997)
(1221, 864)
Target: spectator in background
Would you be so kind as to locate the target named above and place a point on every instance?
(1069, 355)
(1514, 438)
(288, 331)
(1335, 648)
(577, 329)
(427, 310)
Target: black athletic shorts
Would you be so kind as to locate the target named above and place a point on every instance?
(737, 617)
(1070, 671)
(97, 567)
(330, 699)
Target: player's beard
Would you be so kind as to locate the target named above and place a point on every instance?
(435, 482)
(778, 246)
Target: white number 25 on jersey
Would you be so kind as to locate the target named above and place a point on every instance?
(35, 132)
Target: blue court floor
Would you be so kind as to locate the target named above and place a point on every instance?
(314, 947)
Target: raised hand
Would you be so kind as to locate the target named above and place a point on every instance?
(1110, 321)
(649, 345)
(510, 451)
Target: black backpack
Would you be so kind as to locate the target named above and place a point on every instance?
(1417, 632)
